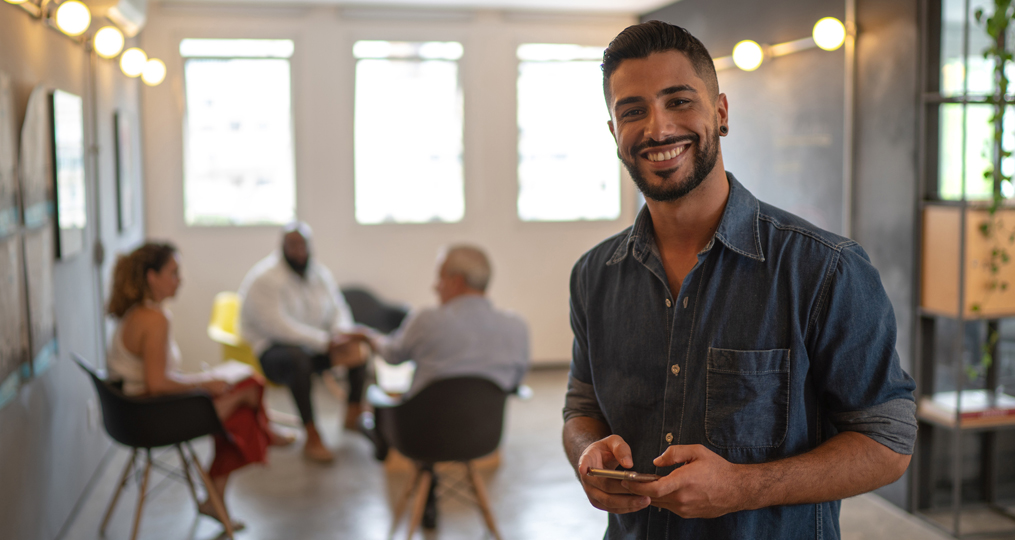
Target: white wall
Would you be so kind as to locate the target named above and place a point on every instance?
(50, 444)
(532, 261)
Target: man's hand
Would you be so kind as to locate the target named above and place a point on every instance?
(604, 493)
(706, 486)
(345, 350)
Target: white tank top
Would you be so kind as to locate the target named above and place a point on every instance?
(128, 367)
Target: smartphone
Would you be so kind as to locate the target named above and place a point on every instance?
(624, 475)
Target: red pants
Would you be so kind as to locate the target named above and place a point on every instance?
(250, 436)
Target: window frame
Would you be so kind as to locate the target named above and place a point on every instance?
(293, 61)
(460, 69)
(621, 172)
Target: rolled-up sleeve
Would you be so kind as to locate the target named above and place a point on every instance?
(892, 424)
(581, 401)
(857, 372)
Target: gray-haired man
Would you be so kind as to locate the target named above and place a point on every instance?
(465, 335)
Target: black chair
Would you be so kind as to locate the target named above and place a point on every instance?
(451, 420)
(143, 423)
(369, 310)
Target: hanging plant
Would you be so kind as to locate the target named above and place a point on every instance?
(993, 228)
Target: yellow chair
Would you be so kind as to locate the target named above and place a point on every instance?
(225, 312)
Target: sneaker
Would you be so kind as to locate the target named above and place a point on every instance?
(318, 453)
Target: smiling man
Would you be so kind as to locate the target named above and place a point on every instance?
(739, 352)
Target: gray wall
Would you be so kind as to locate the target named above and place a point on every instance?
(885, 188)
(49, 449)
(787, 120)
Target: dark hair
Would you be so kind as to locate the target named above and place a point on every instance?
(641, 40)
(130, 281)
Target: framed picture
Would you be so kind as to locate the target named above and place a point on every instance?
(37, 237)
(14, 317)
(69, 172)
(41, 298)
(126, 176)
(14, 330)
(36, 161)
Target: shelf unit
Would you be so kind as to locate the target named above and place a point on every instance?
(947, 281)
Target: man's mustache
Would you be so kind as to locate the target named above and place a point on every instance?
(638, 148)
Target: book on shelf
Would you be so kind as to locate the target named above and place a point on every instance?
(977, 407)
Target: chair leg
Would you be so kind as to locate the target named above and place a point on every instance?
(420, 503)
(116, 495)
(484, 501)
(213, 496)
(185, 464)
(142, 493)
(403, 499)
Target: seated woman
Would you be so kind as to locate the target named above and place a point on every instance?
(144, 356)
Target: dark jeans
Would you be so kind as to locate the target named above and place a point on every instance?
(293, 366)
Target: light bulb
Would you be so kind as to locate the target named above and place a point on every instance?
(73, 18)
(108, 41)
(132, 62)
(747, 55)
(154, 72)
(829, 33)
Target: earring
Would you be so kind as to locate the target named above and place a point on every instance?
(723, 130)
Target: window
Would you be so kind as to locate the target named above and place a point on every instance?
(567, 160)
(408, 132)
(965, 80)
(238, 141)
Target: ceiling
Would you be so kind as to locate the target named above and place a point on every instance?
(583, 6)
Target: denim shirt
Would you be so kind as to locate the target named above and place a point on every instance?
(780, 337)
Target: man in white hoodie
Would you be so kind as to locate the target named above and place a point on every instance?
(294, 317)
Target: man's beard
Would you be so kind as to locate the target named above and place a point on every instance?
(704, 161)
(300, 269)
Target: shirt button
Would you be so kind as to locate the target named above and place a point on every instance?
(675, 369)
(669, 438)
(668, 303)
(685, 302)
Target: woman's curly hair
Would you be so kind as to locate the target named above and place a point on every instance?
(130, 282)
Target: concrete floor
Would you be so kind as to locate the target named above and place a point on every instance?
(533, 491)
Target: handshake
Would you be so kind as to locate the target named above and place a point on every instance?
(351, 349)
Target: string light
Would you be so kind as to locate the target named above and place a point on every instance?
(73, 18)
(154, 72)
(829, 33)
(747, 55)
(108, 41)
(133, 61)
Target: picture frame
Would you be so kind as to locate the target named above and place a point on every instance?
(14, 329)
(35, 165)
(67, 114)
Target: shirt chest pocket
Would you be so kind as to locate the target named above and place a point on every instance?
(747, 398)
